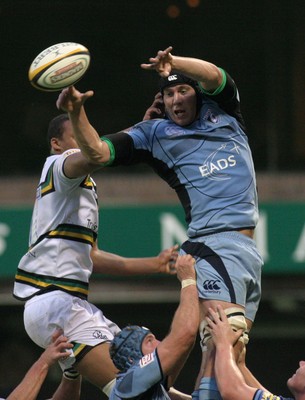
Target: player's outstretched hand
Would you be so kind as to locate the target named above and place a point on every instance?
(162, 63)
(220, 329)
(71, 100)
(167, 260)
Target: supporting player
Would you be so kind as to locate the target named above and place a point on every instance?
(149, 367)
(230, 381)
(29, 387)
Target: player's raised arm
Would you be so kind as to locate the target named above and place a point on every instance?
(174, 349)
(230, 381)
(72, 101)
(202, 71)
(31, 384)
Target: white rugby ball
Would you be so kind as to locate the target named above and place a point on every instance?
(59, 66)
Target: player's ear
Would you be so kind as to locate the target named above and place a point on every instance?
(55, 145)
(150, 337)
(148, 344)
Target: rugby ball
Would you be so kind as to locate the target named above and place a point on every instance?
(59, 66)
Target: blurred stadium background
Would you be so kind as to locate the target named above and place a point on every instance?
(261, 44)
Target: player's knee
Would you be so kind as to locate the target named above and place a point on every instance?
(236, 318)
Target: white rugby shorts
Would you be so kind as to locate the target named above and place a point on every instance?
(81, 321)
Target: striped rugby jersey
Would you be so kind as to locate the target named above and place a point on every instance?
(63, 228)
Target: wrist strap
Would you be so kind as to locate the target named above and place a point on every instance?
(71, 373)
(187, 282)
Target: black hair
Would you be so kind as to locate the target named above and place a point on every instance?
(55, 128)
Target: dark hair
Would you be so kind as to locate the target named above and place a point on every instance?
(55, 128)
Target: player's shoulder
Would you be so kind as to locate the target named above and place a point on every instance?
(139, 378)
(54, 166)
(59, 157)
(69, 152)
(148, 125)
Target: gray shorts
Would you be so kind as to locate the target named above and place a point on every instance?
(228, 268)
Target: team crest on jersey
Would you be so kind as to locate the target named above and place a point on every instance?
(174, 131)
(210, 116)
(147, 359)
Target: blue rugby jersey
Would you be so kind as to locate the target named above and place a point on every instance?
(144, 380)
(208, 163)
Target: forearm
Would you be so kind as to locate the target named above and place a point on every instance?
(187, 314)
(247, 374)
(202, 71)
(113, 264)
(182, 335)
(92, 147)
(31, 384)
(250, 378)
(229, 377)
(230, 380)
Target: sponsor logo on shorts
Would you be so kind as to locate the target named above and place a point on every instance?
(147, 359)
(99, 335)
(211, 286)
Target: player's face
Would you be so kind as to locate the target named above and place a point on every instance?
(296, 383)
(67, 141)
(180, 104)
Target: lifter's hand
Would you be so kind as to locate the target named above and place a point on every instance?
(220, 329)
(167, 260)
(58, 349)
(71, 100)
(185, 266)
(162, 63)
